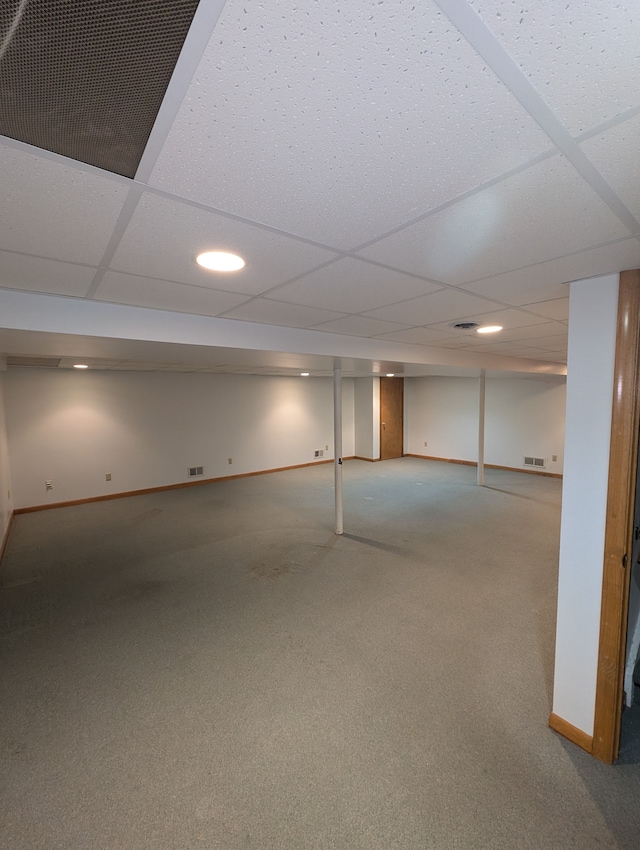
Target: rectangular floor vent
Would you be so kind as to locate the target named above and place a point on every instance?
(195, 470)
(538, 462)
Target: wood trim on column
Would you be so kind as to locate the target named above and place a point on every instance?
(619, 522)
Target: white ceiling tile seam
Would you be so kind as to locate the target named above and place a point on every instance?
(128, 208)
(480, 37)
(200, 32)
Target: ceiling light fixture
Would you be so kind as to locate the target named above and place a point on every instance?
(304, 374)
(390, 374)
(490, 329)
(220, 261)
(80, 366)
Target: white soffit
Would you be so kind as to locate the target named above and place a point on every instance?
(52, 209)
(313, 111)
(544, 212)
(582, 57)
(174, 233)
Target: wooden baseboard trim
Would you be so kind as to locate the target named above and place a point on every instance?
(360, 457)
(571, 732)
(487, 465)
(5, 537)
(179, 486)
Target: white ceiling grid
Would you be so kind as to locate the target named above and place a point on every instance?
(385, 169)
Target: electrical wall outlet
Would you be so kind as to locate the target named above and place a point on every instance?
(230, 460)
(326, 448)
(107, 476)
(554, 458)
(48, 485)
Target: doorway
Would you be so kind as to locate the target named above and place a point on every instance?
(391, 418)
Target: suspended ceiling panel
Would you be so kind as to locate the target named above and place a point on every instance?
(340, 121)
(53, 209)
(544, 212)
(19, 271)
(615, 154)
(582, 57)
(174, 233)
(277, 313)
(85, 78)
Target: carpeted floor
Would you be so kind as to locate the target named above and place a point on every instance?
(213, 667)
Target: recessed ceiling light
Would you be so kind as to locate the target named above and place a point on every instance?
(304, 374)
(490, 329)
(80, 366)
(220, 261)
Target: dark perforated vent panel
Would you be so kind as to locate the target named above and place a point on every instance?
(85, 78)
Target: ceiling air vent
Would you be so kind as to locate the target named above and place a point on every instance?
(33, 362)
(538, 462)
(465, 326)
(86, 78)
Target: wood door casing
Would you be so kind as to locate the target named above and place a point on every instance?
(391, 418)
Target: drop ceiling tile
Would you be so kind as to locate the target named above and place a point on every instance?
(508, 319)
(581, 57)
(351, 286)
(420, 336)
(377, 112)
(544, 212)
(446, 305)
(19, 271)
(359, 326)
(162, 295)
(615, 155)
(279, 313)
(545, 281)
(557, 309)
(174, 233)
(54, 210)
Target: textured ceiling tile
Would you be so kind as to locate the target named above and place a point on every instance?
(174, 233)
(557, 309)
(545, 281)
(339, 121)
(447, 305)
(546, 211)
(615, 154)
(359, 326)
(420, 336)
(581, 57)
(18, 271)
(351, 285)
(508, 318)
(278, 313)
(54, 210)
(162, 295)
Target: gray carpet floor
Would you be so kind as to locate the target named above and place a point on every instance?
(212, 667)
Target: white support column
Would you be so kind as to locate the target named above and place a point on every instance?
(337, 443)
(481, 408)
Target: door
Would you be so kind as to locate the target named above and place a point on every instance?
(391, 417)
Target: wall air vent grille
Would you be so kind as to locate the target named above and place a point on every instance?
(195, 470)
(85, 78)
(538, 462)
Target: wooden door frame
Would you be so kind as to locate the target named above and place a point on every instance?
(400, 382)
(625, 420)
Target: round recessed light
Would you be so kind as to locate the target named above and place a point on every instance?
(80, 366)
(304, 374)
(490, 329)
(220, 261)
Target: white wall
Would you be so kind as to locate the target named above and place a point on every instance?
(147, 428)
(367, 417)
(592, 337)
(523, 416)
(6, 500)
